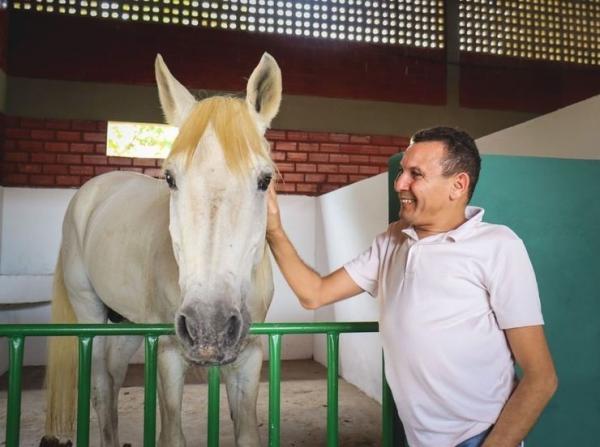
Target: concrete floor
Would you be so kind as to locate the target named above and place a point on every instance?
(303, 409)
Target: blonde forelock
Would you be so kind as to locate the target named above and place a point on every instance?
(234, 127)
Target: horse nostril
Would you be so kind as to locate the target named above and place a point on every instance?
(232, 329)
(185, 332)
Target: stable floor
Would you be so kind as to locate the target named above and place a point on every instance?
(303, 409)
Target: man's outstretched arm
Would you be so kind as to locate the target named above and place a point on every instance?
(312, 290)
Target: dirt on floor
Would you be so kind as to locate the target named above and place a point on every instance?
(303, 410)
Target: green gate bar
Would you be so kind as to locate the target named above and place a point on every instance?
(387, 408)
(84, 386)
(150, 363)
(151, 332)
(274, 389)
(85, 332)
(13, 415)
(214, 398)
(333, 342)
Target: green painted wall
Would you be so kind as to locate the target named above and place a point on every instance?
(38, 98)
(552, 204)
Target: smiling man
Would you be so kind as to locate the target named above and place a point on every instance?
(458, 298)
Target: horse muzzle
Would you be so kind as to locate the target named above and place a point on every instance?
(211, 337)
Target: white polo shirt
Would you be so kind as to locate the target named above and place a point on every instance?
(444, 302)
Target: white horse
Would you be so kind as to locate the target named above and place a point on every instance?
(189, 249)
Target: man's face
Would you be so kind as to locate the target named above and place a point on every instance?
(423, 191)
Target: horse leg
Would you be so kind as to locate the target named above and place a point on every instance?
(104, 398)
(171, 371)
(89, 309)
(241, 380)
(119, 350)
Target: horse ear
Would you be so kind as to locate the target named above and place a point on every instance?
(263, 92)
(175, 100)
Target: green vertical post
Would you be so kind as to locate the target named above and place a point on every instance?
(274, 389)
(387, 416)
(392, 430)
(84, 390)
(214, 397)
(13, 417)
(333, 339)
(150, 366)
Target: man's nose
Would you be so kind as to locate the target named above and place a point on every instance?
(401, 183)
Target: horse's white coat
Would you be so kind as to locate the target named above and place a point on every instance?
(194, 254)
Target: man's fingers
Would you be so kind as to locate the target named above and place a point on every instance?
(272, 200)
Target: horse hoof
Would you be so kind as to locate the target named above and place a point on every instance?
(127, 445)
(51, 441)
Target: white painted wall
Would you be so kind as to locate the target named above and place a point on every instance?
(30, 221)
(571, 132)
(348, 220)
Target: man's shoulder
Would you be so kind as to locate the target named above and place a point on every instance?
(494, 232)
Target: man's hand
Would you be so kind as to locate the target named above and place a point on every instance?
(273, 216)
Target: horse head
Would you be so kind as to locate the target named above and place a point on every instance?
(218, 172)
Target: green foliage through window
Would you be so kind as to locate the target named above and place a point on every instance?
(139, 140)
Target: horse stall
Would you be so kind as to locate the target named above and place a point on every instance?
(369, 434)
(304, 384)
(531, 188)
(167, 248)
(346, 108)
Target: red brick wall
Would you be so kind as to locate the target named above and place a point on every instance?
(317, 162)
(86, 49)
(54, 153)
(66, 153)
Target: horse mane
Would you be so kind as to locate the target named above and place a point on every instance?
(234, 127)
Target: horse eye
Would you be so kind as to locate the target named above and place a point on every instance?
(264, 181)
(170, 180)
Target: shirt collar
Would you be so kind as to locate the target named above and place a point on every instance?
(473, 214)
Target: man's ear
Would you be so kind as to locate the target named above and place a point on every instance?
(460, 186)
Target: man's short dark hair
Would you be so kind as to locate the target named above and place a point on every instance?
(462, 154)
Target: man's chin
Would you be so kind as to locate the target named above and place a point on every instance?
(405, 215)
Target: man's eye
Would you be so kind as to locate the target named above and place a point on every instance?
(264, 181)
(170, 179)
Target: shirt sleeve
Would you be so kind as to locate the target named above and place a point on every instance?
(514, 295)
(364, 269)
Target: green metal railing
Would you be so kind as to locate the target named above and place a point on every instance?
(16, 334)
